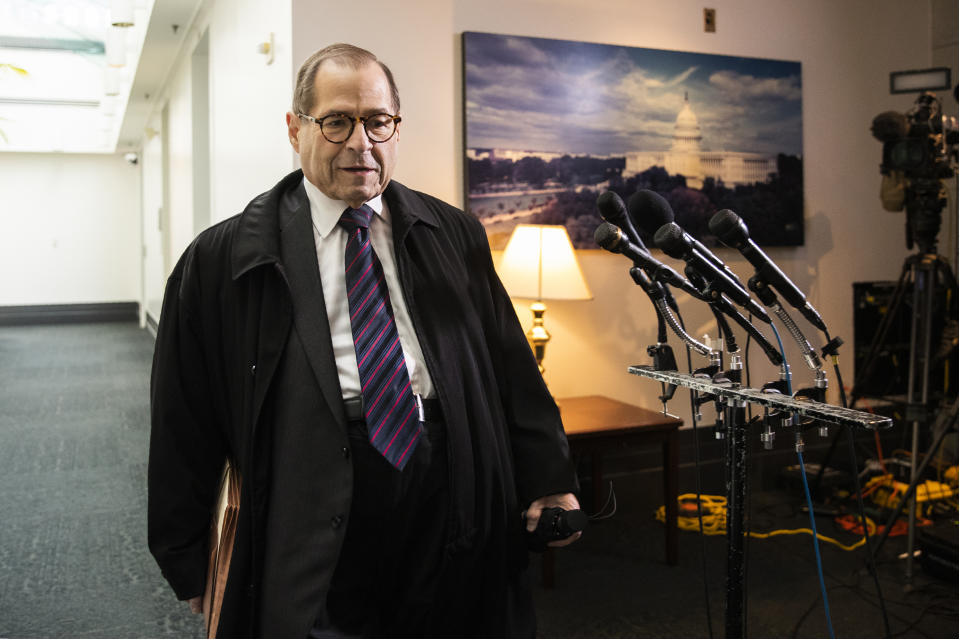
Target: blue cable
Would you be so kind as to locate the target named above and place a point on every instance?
(812, 514)
(782, 351)
(815, 545)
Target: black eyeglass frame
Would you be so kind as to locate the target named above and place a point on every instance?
(353, 120)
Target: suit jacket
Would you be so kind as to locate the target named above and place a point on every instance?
(244, 365)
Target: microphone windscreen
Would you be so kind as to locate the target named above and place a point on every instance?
(650, 210)
(729, 228)
(669, 238)
(889, 126)
(611, 207)
(571, 521)
(607, 236)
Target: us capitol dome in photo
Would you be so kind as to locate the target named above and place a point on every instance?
(686, 158)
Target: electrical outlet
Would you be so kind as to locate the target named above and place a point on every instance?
(709, 20)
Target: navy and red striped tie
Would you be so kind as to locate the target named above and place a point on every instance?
(388, 401)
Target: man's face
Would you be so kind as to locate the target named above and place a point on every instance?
(356, 170)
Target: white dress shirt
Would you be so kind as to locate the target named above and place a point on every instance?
(330, 239)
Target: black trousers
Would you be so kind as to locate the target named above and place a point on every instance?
(392, 560)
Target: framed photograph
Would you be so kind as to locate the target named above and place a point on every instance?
(551, 124)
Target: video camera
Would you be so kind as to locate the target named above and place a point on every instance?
(918, 153)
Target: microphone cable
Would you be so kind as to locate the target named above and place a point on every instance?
(699, 488)
(815, 544)
(782, 350)
(812, 511)
(749, 519)
(749, 492)
(851, 444)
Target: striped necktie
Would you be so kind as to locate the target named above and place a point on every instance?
(388, 402)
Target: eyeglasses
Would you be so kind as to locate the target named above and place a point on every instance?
(338, 127)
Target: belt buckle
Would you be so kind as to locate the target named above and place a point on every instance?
(419, 406)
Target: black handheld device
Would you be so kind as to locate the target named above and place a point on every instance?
(555, 524)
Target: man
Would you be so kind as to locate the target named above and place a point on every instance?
(383, 478)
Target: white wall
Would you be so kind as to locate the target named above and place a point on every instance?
(249, 100)
(248, 151)
(945, 53)
(154, 267)
(179, 137)
(70, 229)
(846, 49)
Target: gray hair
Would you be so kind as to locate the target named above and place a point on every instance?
(352, 56)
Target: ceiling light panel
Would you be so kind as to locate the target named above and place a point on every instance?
(62, 45)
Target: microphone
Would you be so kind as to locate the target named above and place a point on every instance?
(675, 243)
(651, 212)
(613, 210)
(889, 126)
(611, 238)
(732, 231)
(555, 524)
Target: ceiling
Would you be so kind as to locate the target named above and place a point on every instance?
(70, 82)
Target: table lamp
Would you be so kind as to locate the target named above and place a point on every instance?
(539, 264)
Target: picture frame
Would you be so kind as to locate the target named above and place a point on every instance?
(550, 124)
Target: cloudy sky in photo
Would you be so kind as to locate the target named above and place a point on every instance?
(538, 94)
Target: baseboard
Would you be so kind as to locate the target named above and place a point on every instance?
(152, 324)
(69, 313)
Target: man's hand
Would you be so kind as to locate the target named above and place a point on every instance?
(566, 502)
(196, 605)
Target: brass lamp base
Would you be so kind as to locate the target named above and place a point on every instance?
(537, 335)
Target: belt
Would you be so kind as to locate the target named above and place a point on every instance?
(429, 409)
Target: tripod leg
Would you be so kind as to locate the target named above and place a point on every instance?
(868, 364)
(950, 421)
(879, 338)
(924, 294)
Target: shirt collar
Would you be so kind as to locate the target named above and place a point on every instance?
(326, 211)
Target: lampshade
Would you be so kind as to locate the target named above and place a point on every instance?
(539, 264)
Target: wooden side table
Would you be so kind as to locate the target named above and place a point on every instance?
(595, 424)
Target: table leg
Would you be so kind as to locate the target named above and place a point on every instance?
(671, 495)
(597, 464)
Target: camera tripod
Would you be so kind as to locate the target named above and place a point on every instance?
(927, 273)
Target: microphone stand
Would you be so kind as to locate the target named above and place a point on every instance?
(736, 490)
(662, 354)
(719, 302)
(657, 293)
(809, 355)
(735, 398)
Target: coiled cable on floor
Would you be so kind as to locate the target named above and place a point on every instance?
(713, 509)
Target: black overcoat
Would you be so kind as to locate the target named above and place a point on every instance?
(245, 302)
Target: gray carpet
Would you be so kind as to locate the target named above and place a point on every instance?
(73, 449)
(74, 561)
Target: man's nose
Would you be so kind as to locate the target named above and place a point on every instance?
(359, 141)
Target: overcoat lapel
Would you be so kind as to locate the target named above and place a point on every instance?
(298, 256)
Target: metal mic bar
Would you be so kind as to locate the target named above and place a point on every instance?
(805, 407)
(734, 399)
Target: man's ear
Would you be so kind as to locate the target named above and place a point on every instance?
(293, 130)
